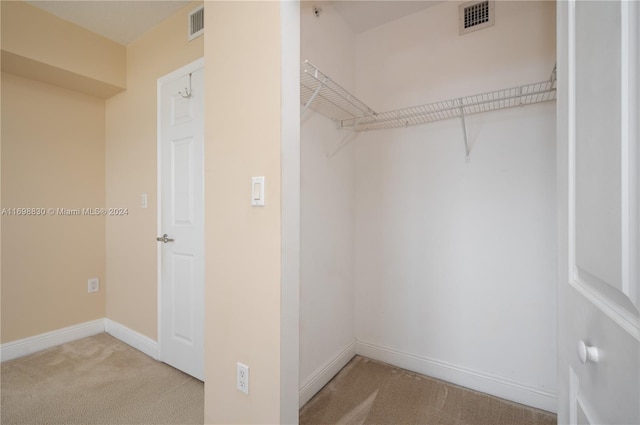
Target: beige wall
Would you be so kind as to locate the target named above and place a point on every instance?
(243, 243)
(53, 50)
(46, 263)
(131, 155)
(52, 157)
(242, 139)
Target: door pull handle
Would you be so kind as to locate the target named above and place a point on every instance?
(164, 238)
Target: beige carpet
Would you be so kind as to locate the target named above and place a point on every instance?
(97, 380)
(369, 392)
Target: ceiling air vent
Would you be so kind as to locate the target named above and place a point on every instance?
(475, 15)
(196, 23)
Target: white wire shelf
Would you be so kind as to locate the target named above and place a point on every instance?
(457, 108)
(339, 105)
(322, 94)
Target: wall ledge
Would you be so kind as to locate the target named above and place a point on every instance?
(28, 68)
(498, 386)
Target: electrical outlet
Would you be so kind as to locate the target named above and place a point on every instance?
(93, 285)
(242, 378)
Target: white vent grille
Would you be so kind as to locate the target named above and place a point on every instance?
(475, 15)
(196, 23)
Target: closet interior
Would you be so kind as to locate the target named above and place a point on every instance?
(429, 247)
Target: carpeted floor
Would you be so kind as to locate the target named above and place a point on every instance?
(97, 380)
(368, 392)
(100, 380)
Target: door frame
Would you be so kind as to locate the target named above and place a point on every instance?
(186, 69)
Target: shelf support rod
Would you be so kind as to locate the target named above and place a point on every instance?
(312, 98)
(356, 122)
(345, 141)
(464, 130)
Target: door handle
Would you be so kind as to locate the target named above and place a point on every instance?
(587, 354)
(164, 238)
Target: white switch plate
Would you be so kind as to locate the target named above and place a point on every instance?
(143, 200)
(257, 191)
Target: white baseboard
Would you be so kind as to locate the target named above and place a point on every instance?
(22, 347)
(479, 381)
(136, 340)
(324, 374)
(14, 349)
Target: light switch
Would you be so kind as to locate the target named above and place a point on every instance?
(143, 200)
(257, 191)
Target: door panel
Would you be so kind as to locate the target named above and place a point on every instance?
(182, 291)
(181, 109)
(598, 212)
(597, 178)
(182, 175)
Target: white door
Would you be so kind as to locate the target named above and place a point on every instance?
(181, 223)
(598, 195)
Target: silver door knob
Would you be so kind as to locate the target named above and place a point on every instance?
(587, 354)
(164, 238)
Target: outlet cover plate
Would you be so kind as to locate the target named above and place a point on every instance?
(242, 378)
(93, 285)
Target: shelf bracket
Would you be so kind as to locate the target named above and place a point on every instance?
(464, 130)
(312, 98)
(353, 127)
(351, 135)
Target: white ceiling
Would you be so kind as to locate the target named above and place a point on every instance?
(121, 21)
(125, 20)
(362, 15)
